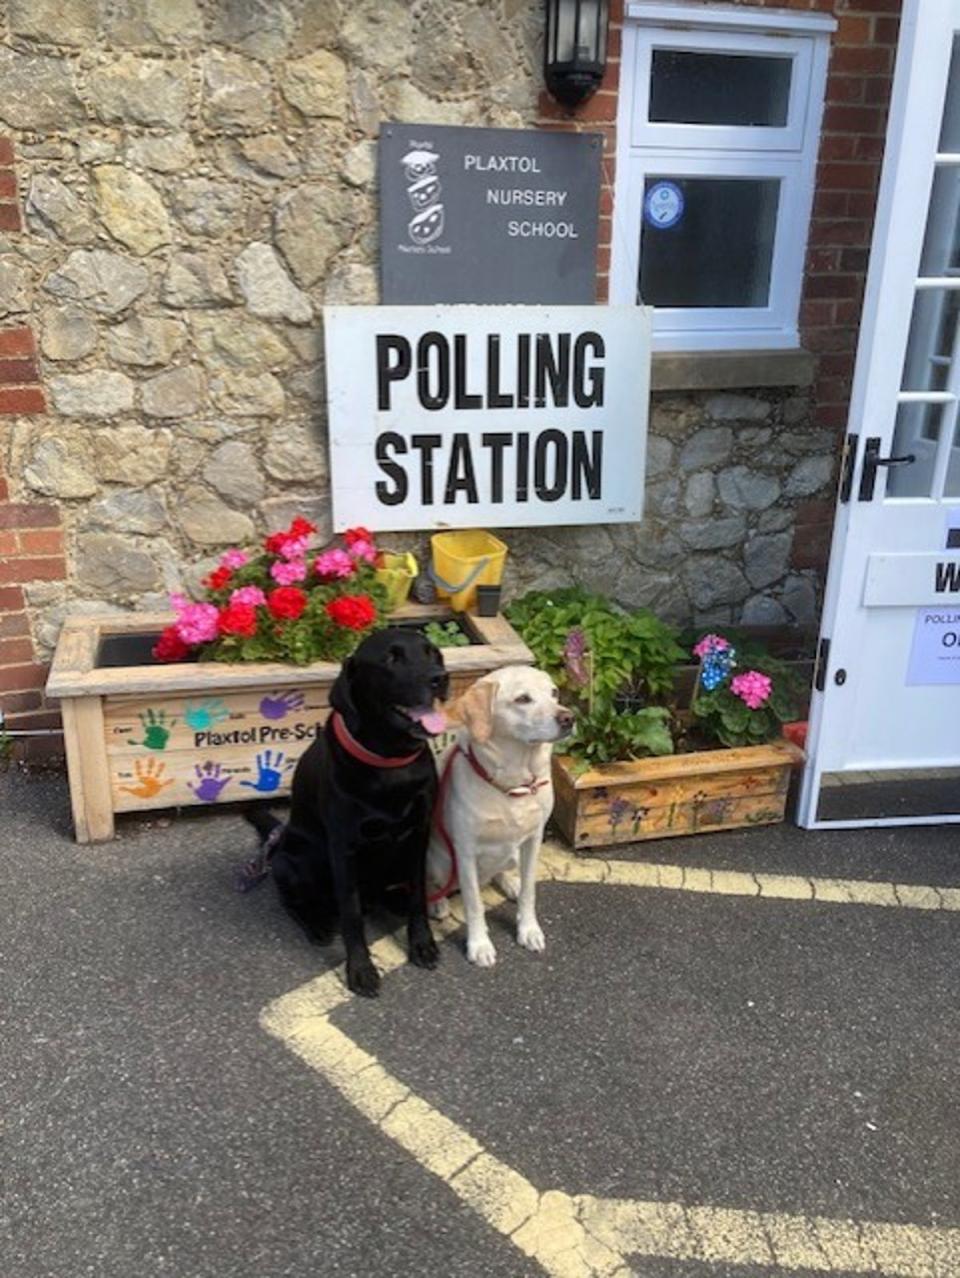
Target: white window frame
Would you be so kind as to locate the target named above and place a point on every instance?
(788, 153)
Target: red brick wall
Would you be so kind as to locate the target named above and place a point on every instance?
(31, 534)
(848, 173)
(597, 115)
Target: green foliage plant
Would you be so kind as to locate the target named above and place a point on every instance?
(596, 652)
(446, 634)
(631, 651)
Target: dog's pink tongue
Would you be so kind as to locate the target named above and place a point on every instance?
(433, 721)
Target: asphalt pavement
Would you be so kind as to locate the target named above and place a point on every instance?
(782, 1057)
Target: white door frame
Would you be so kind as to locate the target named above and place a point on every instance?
(920, 82)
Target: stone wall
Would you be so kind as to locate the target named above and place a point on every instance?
(196, 180)
(730, 477)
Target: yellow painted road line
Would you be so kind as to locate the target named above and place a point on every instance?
(813, 1243)
(560, 867)
(579, 1236)
(544, 1226)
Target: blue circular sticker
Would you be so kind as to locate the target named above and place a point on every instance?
(663, 205)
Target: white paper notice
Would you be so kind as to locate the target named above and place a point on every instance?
(935, 652)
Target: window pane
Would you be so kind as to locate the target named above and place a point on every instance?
(950, 127)
(715, 244)
(933, 329)
(918, 432)
(941, 241)
(719, 88)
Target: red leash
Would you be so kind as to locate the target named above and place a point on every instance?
(451, 882)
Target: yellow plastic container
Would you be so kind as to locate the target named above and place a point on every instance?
(464, 560)
(396, 571)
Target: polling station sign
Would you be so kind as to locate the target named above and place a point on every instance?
(486, 416)
(488, 215)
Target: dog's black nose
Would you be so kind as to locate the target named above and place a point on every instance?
(438, 684)
(565, 719)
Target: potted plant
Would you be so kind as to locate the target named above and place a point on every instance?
(650, 767)
(217, 701)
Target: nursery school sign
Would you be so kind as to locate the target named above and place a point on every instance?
(475, 416)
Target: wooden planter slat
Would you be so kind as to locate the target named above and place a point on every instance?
(719, 785)
(137, 735)
(672, 795)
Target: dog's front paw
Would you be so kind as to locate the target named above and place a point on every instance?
(482, 952)
(530, 936)
(363, 978)
(424, 952)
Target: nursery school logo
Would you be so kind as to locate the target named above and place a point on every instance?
(423, 191)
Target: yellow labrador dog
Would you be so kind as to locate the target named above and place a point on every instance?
(496, 795)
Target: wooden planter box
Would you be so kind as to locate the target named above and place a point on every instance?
(160, 736)
(675, 794)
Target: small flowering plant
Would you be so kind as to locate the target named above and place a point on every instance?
(288, 602)
(740, 699)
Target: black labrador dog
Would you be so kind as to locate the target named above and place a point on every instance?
(362, 801)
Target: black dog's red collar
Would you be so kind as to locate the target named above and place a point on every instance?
(362, 754)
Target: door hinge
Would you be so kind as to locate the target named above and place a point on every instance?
(823, 659)
(847, 463)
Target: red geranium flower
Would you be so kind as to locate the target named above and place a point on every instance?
(218, 578)
(238, 619)
(359, 533)
(299, 531)
(286, 603)
(354, 612)
(170, 647)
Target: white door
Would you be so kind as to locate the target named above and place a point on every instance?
(884, 740)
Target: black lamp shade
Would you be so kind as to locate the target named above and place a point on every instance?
(575, 48)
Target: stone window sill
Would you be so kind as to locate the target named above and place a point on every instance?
(731, 370)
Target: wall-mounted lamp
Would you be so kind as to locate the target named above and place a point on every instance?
(575, 48)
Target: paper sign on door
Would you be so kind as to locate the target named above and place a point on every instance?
(935, 652)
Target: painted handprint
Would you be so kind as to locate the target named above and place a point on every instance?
(156, 730)
(279, 706)
(269, 772)
(149, 777)
(211, 782)
(201, 715)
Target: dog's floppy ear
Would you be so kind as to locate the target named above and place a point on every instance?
(475, 710)
(341, 694)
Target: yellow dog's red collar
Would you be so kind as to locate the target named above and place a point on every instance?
(516, 791)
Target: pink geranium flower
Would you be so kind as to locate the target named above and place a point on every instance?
(234, 559)
(294, 548)
(196, 622)
(710, 643)
(251, 595)
(334, 565)
(285, 574)
(752, 687)
(364, 550)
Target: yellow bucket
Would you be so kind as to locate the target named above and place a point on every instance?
(395, 572)
(464, 560)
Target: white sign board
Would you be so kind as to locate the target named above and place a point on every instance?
(900, 579)
(935, 651)
(486, 416)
